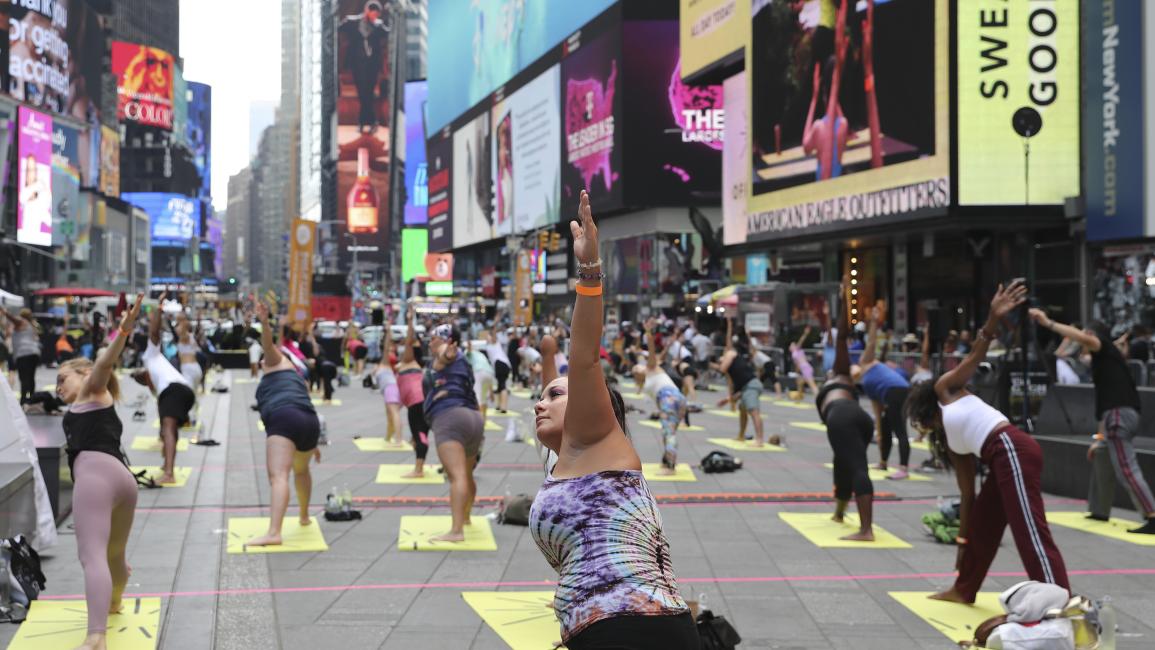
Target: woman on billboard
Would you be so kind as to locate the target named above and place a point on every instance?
(35, 201)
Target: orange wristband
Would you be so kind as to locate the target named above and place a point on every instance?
(588, 291)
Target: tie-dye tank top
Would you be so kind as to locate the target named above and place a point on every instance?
(603, 534)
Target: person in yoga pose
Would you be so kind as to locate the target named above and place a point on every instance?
(410, 380)
(887, 390)
(175, 393)
(965, 430)
(104, 498)
(654, 383)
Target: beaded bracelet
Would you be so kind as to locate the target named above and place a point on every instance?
(591, 276)
(589, 265)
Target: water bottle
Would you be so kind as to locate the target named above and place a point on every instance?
(1106, 623)
(333, 501)
(346, 498)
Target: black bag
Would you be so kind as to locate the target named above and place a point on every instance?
(24, 567)
(717, 462)
(515, 510)
(716, 633)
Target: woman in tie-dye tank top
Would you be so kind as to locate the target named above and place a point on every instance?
(594, 518)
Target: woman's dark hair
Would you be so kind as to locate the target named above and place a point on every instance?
(922, 409)
(1101, 330)
(619, 405)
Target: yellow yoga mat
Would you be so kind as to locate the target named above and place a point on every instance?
(244, 380)
(494, 413)
(1115, 529)
(152, 443)
(731, 443)
(48, 388)
(523, 394)
(55, 624)
(813, 426)
(392, 474)
(181, 474)
(923, 445)
(531, 441)
(320, 402)
(378, 444)
(295, 538)
(415, 532)
(523, 619)
(657, 425)
(635, 395)
(822, 532)
(956, 621)
(881, 474)
(683, 473)
(725, 414)
(493, 426)
(260, 425)
(793, 405)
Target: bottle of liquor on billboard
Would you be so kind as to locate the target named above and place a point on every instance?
(362, 199)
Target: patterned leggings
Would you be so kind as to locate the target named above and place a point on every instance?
(671, 409)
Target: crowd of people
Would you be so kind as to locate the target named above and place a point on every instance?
(594, 518)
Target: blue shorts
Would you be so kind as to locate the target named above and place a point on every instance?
(749, 395)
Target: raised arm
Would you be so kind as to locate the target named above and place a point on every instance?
(924, 360)
(105, 363)
(651, 345)
(273, 356)
(1006, 299)
(1090, 341)
(154, 320)
(593, 419)
(872, 333)
(549, 371)
(841, 343)
(407, 355)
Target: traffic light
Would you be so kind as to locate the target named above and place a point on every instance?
(554, 242)
(542, 239)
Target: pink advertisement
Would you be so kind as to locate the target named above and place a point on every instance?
(592, 150)
(735, 171)
(34, 179)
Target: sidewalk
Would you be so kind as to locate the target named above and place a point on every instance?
(777, 588)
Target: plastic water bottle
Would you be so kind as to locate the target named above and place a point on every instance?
(346, 498)
(333, 501)
(1106, 623)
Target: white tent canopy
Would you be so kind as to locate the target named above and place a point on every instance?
(10, 299)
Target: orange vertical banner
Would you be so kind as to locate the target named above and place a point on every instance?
(301, 273)
(523, 289)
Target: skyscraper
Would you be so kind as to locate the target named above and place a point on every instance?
(416, 38)
(155, 23)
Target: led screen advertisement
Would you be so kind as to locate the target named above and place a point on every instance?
(1018, 102)
(735, 167)
(52, 57)
(414, 248)
(591, 133)
(712, 31)
(472, 183)
(673, 131)
(475, 47)
(416, 171)
(109, 161)
(34, 178)
(849, 112)
(144, 84)
(65, 182)
(200, 128)
(440, 163)
(526, 160)
(365, 105)
(175, 218)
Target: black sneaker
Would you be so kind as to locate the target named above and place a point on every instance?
(1146, 529)
(1097, 517)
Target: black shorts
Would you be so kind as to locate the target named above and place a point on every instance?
(674, 631)
(688, 370)
(295, 423)
(360, 352)
(501, 372)
(175, 402)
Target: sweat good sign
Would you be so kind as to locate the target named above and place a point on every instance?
(1018, 101)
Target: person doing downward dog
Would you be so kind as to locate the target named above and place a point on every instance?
(104, 499)
(291, 434)
(656, 384)
(1117, 408)
(965, 430)
(887, 390)
(175, 394)
(410, 377)
(387, 383)
(594, 518)
(848, 430)
(802, 364)
(458, 430)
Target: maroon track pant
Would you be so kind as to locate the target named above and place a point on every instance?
(1011, 495)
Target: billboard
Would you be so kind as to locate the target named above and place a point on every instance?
(1018, 103)
(526, 157)
(301, 247)
(34, 178)
(66, 161)
(52, 57)
(440, 152)
(414, 248)
(592, 137)
(179, 106)
(503, 37)
(416, 185)
(175, 218)
(712, 30)
(109, 161)
(472, 183)
(849, 114)
(200, 129)
(365, 105)
(144, 84)
(735, 170)
(674, 131)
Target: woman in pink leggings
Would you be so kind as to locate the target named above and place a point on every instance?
(104, 499)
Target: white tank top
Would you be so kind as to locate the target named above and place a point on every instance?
(967, 422)
(655, 382)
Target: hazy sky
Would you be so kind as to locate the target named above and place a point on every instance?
(235, 47)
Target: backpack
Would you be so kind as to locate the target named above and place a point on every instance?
(24, 577)
(716, 633)
(718, 462)
(515, 510)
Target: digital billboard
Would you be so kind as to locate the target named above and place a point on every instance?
(65, 182)
(175, 218)
(472, 207)
(735, 168)
(673, 131)
(503, 37)
(200, 130)
(144, 84)
(109, 161)
(365, 107)
(34, 178)
(1018, 102)
(439, 149)
(592, 137)
(849, 114)
(712, 31)
(526, 157)
(52, 57)
(179, 105)
(414, 248)
(416, 171)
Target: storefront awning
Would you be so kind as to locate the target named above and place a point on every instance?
(10, 299)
